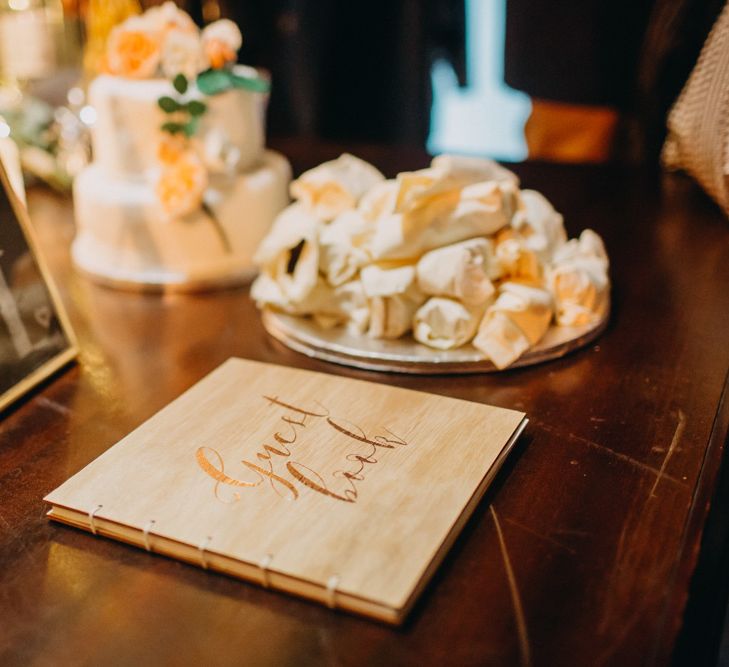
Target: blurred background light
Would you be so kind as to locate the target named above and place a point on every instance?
(487, 117)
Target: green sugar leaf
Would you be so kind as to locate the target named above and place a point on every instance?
(180, 83)
(254, 84)
(168, 105)
(191, 126)
(214, 81)
(173, 128)
(196, 107)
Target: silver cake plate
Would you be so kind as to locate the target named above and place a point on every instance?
(405, 355)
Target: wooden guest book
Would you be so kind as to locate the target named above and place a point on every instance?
(342, 491)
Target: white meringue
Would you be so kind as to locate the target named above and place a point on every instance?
(445, 323)
(462, 271)
(379, 200)
(515, 260)
(378, 281)
(579, 281)
(541, 227)
(589, 244)
(518, 319)
(433, 221)
(474, 169)
(391, 316)
(347, 304)
(343, 246)
(446, 174)
(335, 186)
(393, 299)
(289, 256)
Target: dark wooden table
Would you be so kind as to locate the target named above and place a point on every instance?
(582, 552)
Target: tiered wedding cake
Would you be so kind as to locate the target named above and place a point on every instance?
(181, 189)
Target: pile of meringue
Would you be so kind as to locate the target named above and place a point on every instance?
(456, 253)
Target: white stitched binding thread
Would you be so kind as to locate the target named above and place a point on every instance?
(145, 534)
(201, 549)
(263, 566)
(92, 520)
(332, 591)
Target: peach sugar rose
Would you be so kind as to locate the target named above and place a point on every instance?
(182, 54)
(171, 148)
(221, 41)
(133, 51)
(168, 17)
(182, 182)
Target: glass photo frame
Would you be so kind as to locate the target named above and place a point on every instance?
(36, 339)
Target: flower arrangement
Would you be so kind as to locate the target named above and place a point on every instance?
(165, 42)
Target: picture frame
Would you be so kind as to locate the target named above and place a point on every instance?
(36, 338)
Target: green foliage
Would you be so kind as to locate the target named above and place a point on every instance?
(211, 82)
(190, 126)
(215, 81)
(254, 84)
(173, 128)
(196, 107)
(168, 105)
(187, 115)
(180, 83)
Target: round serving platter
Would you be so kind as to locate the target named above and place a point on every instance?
(405, 355)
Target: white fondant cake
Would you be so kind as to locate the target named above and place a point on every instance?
(201, 226)
(126, 133)
(124, 237)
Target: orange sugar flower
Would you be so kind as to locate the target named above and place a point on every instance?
(218, 53)
(221, 41)
(132, 52)
(171, 148)
(181, 185)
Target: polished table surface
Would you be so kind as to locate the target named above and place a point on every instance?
(581, 553)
